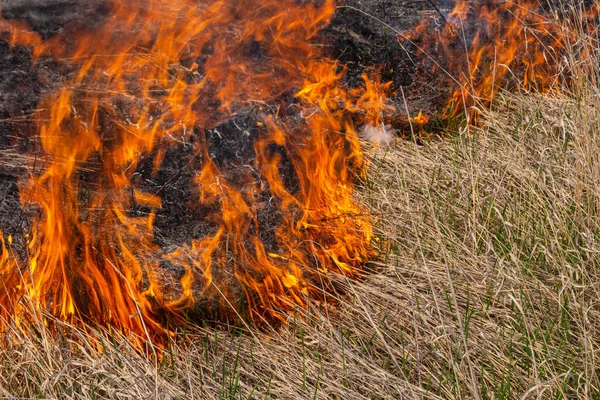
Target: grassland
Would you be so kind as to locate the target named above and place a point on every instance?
(487, 285)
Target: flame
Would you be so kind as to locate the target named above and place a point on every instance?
(421, 119)
(483, 47)
(157, 73)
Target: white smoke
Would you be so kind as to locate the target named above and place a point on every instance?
(381, 134)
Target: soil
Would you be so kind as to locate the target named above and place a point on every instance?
(364, 35)
(47, 17)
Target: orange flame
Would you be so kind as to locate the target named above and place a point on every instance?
(483, 47)
(155, 73)
(421, 119)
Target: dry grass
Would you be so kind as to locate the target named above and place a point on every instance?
(487, 287)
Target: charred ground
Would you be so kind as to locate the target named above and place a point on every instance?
(356, 38)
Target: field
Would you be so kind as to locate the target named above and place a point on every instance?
(486, 286)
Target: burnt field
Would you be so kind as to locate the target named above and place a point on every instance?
(228, 135)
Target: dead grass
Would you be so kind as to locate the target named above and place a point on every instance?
(487, 287)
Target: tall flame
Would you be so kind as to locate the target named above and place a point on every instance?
(155, 73)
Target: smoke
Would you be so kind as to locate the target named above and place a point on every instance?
(381, 134)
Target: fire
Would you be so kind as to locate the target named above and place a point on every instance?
(152, 75)
(483, 47)
(420, 119)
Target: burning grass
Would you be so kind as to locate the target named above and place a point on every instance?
(151, 78)
(486, 286)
